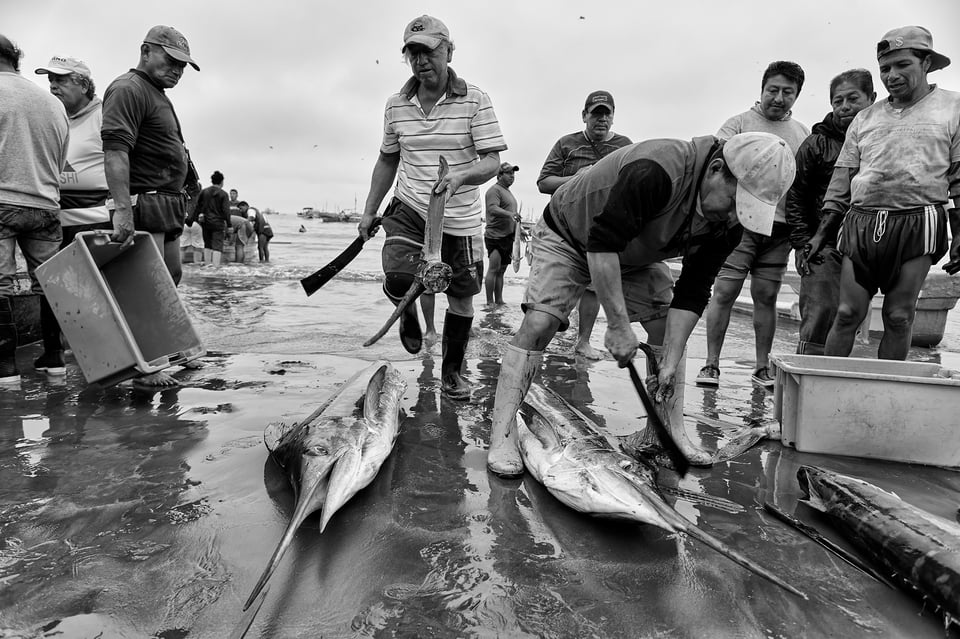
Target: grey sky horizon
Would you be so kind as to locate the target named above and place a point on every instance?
(289, 100)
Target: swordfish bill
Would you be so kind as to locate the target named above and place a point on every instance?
(568, 454)
(336, 451)
(921, 550)
(433, 276)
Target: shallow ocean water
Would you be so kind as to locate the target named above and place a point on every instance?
(130, 514)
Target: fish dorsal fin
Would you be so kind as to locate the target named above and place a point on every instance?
(275, 432)
(371, 401)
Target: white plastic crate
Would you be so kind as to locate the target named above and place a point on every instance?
(119, 309)
(900, 411)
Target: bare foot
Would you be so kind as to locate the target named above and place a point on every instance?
(586, 350)
(155, 381)
(192, 364)
(429, 340)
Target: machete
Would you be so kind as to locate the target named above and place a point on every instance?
(312, 283)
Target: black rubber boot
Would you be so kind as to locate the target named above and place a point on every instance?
(9, 373)
(51, 361)
(456, 334)
(395, 286)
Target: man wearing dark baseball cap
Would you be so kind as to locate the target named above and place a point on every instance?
(148, 169)
(894, 178)
(570, 154)
(434, 114)
(172, 42)
(640, 205)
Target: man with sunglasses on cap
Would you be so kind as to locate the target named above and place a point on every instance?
(436, 113)
(640, 205)
(571, 154)
(83, 183)
(147, 166)
(898, 169)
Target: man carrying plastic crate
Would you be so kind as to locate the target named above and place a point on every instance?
(34, 130)
(147, 165)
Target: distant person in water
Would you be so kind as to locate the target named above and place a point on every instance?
(213, 214)
(303, 229)
(502, 217)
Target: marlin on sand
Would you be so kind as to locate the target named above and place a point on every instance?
(567, 453)
(336, 451)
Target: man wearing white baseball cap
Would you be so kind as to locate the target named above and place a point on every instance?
(896, 173)
(83, 183)
(641, 204)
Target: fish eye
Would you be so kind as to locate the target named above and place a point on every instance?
(317, 451)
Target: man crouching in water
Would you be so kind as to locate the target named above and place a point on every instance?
(614, 224)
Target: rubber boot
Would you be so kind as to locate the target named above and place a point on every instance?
(518, 367)
(51, 361)
(456, 334)
(9, 373)
(672, 416)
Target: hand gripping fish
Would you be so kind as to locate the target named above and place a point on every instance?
(337, 451)
(434, 275)
(567, 453)
(515, 255)
(920, 550)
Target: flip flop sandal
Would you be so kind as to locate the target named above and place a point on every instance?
(411, 337)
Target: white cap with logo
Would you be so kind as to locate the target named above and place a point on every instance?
(764, 167)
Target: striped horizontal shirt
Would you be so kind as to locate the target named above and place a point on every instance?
(460, 127)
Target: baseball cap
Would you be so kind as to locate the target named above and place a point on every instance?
(598, 98)
(425, 30)
(506, 166)
(172, 42)
(911, 37)
(59, 65)
(764, 167)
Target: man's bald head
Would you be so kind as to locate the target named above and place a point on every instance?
(10, 54)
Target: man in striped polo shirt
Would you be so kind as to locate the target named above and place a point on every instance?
(435, 113)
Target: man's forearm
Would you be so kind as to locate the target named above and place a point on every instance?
(680, 325)
(116, 165)
(384, 173)
(605, 275)
(485, 169)
(551, 183)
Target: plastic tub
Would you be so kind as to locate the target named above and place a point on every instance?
(899, 411)
(119, 309)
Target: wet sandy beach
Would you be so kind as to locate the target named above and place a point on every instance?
(132, 514)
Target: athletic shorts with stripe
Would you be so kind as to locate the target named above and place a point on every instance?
(403, 250)
(879, 242)
(559, 274)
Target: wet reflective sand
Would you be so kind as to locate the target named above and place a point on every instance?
(130, 514)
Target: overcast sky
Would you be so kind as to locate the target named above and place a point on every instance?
(289, 100)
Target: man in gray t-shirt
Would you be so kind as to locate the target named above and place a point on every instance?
(33, 129)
